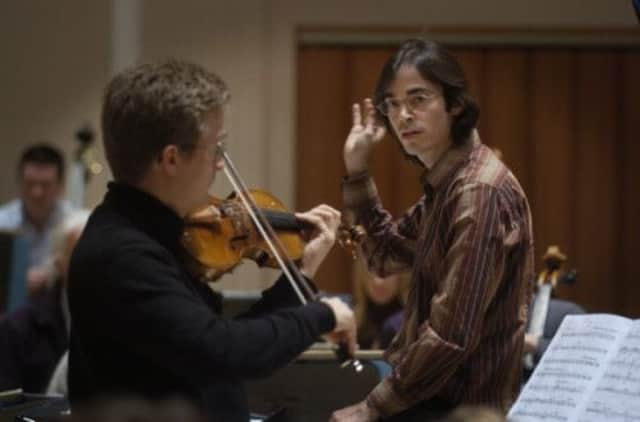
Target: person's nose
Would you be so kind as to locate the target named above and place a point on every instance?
(378, 281)
(406, 114)
(36, 191)
(219, 164)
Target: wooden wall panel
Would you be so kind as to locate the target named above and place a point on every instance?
(472, 62)
(551, 166)
(595, 188)
(322, 99)
(625, 278)
(506, 93)
(323, 87)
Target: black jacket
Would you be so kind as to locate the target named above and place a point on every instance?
(33, 338)
(142, 326)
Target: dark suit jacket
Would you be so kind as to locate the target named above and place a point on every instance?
(142, 326)
(32, 340)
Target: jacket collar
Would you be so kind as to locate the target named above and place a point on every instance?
(148, 213)
(433, 179)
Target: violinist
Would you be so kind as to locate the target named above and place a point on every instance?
(142, 324)
(467, 242)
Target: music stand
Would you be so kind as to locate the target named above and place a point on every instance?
(312, 387)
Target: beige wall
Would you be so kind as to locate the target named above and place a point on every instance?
(57, 56)
(54, 61)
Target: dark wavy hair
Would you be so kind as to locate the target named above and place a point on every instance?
(150, 106)
(43, 154)
(437, 65)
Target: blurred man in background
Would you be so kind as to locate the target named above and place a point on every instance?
(38, 210)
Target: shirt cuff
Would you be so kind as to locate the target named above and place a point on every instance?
(359, 190)
(322, 315)
(384, 399)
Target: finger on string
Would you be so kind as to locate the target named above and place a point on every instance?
(324, 215)
(324, 228)
(308, 217)
(324, 208)
(332, 216)
(316, 221)
(329, 207)
(331, 219)
(327, 214)
(333, 211)
(323, 211)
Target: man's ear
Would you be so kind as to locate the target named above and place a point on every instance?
(457, 108)
(168, 159)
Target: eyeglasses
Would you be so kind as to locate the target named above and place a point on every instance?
(417, 101)
(217, 149)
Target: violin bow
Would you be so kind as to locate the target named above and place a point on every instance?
(292, 273)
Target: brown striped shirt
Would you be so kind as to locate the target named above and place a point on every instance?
(468, 243)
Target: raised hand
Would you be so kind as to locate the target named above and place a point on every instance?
(365, 133)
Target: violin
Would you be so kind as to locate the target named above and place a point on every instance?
(241, 227)
(220, 235)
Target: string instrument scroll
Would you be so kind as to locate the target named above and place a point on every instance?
(547, 281)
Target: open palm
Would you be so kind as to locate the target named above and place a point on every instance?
(364, 134)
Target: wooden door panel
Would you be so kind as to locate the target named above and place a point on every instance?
(323, 97)
(550, 163)
(626, 276)
(594, 191)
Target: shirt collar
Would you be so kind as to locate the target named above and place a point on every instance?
(433, 179)
(52, 219)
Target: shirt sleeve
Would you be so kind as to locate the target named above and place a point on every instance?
(147, 307)
(280, 295)
(473, 268)
(389, 245)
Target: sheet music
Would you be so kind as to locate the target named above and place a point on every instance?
(565, 377)
(617, 396)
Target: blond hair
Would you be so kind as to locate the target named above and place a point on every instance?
(361, 276)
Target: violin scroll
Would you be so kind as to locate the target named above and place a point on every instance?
(350, 238)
